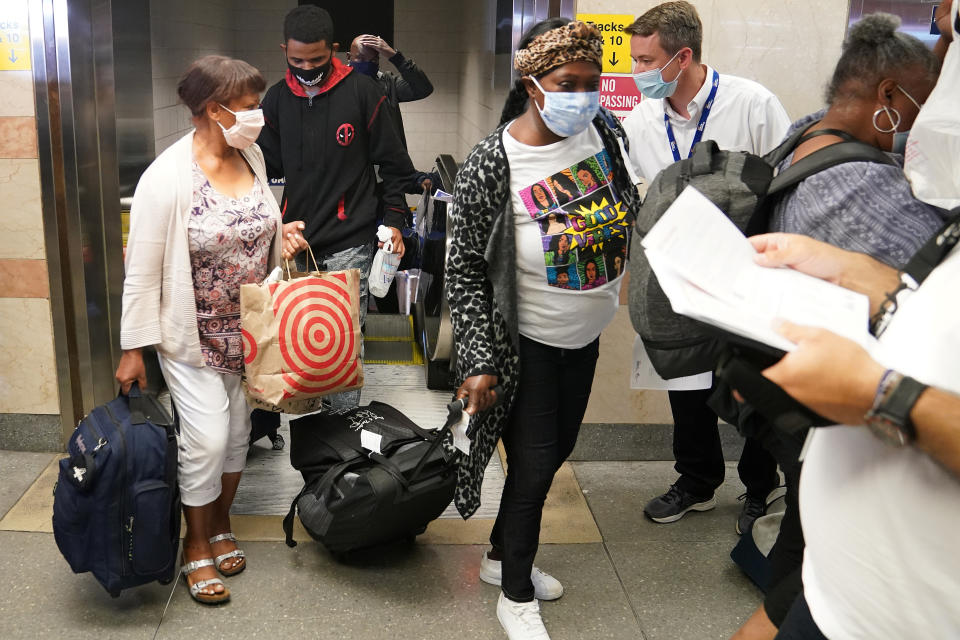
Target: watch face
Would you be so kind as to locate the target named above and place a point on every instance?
(887, 430)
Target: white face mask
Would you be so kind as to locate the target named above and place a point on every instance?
(245, 130)
(567, 113)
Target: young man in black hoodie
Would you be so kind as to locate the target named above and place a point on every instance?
(325, 130)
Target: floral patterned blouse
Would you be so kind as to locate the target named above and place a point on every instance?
(229, 246)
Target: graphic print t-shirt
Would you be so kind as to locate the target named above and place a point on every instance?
(571, 234)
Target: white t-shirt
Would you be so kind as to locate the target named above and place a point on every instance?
(571, 238)
(745, 117)
(882, 524)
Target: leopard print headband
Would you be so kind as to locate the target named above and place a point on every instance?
(573, 42)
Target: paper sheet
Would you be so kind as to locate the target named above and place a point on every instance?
(460, 439)
(644, 376)
(705, 266)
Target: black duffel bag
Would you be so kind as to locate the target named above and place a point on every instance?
(354, 497)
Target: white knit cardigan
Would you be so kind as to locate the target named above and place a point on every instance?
(159, 304)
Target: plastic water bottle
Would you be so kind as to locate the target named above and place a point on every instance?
(385, 264)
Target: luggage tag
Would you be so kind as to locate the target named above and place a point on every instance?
(459, 430)
(371, 441)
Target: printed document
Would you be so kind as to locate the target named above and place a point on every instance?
(705, 266)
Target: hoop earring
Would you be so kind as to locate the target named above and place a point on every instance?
(887, 111)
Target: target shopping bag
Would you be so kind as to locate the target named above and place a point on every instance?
(301, 339)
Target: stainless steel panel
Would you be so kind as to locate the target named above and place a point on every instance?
(46, 77)
(133, 80)
(73, 79)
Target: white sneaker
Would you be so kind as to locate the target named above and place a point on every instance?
(545, 586)
(521, 620)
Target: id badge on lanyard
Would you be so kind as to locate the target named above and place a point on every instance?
(700, 126)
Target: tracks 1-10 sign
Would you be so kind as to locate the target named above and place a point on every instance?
(616, 43)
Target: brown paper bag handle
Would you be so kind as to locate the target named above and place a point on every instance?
(316, 268)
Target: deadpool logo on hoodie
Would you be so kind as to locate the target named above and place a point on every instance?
(345, 134)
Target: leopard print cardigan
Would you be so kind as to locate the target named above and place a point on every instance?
(481, 287)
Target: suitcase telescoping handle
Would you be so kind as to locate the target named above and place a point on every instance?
(457, 406)
(454, 409)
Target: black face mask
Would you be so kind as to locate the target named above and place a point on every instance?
(309, 77)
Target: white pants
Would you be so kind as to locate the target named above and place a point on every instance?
(214, 428)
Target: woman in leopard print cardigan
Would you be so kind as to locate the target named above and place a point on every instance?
(481, 272)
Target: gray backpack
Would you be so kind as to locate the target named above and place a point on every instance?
(743, 186)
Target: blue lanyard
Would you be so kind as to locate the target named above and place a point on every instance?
(703, 121)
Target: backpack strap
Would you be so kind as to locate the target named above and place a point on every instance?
(825, 158)
(701, 160)
(851, 150)
(323, 486)
(288, 519)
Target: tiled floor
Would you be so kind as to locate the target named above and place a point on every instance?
(625, 577)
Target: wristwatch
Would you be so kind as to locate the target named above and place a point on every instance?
(889, 417)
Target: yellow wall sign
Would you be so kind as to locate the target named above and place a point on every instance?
(616, 43)
(14, 36)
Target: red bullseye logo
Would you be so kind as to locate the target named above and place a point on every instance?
(249, 346)
(317, 340)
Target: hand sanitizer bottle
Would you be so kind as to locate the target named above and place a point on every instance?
(384, 266)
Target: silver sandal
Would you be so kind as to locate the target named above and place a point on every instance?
(200, 585)
(236, 553)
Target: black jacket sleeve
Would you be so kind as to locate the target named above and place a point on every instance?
(413, 83)
(387, 152)
(269, 139)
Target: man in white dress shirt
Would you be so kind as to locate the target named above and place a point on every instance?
(683, 102)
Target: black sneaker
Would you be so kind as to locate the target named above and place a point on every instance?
(672, 505)
(753, 508)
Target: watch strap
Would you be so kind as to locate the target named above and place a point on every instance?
(898, 403)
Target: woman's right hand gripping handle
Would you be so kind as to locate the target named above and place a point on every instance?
(130, 370)
(479, 391)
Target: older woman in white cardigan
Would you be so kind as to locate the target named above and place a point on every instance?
(203, 223)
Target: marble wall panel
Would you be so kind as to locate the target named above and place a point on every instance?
(18, 137)
(612, 400)
(24, 279)
(21, 220)
(28, 374)
(16, 93)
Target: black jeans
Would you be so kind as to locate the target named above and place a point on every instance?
(699, 456)
(553, 390)
(799, 624)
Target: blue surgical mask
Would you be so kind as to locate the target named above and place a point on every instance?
(567, 113)
(366, 67)
(651, 84)
(900, 142)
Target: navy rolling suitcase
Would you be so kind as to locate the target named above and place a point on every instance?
(116, 506)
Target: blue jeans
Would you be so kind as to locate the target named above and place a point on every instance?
(353, 258)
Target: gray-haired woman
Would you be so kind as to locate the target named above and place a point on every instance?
(881, 80)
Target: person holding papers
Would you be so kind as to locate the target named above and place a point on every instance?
(686, 101)
(504, 290)
(881, 79)
(880, 499)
